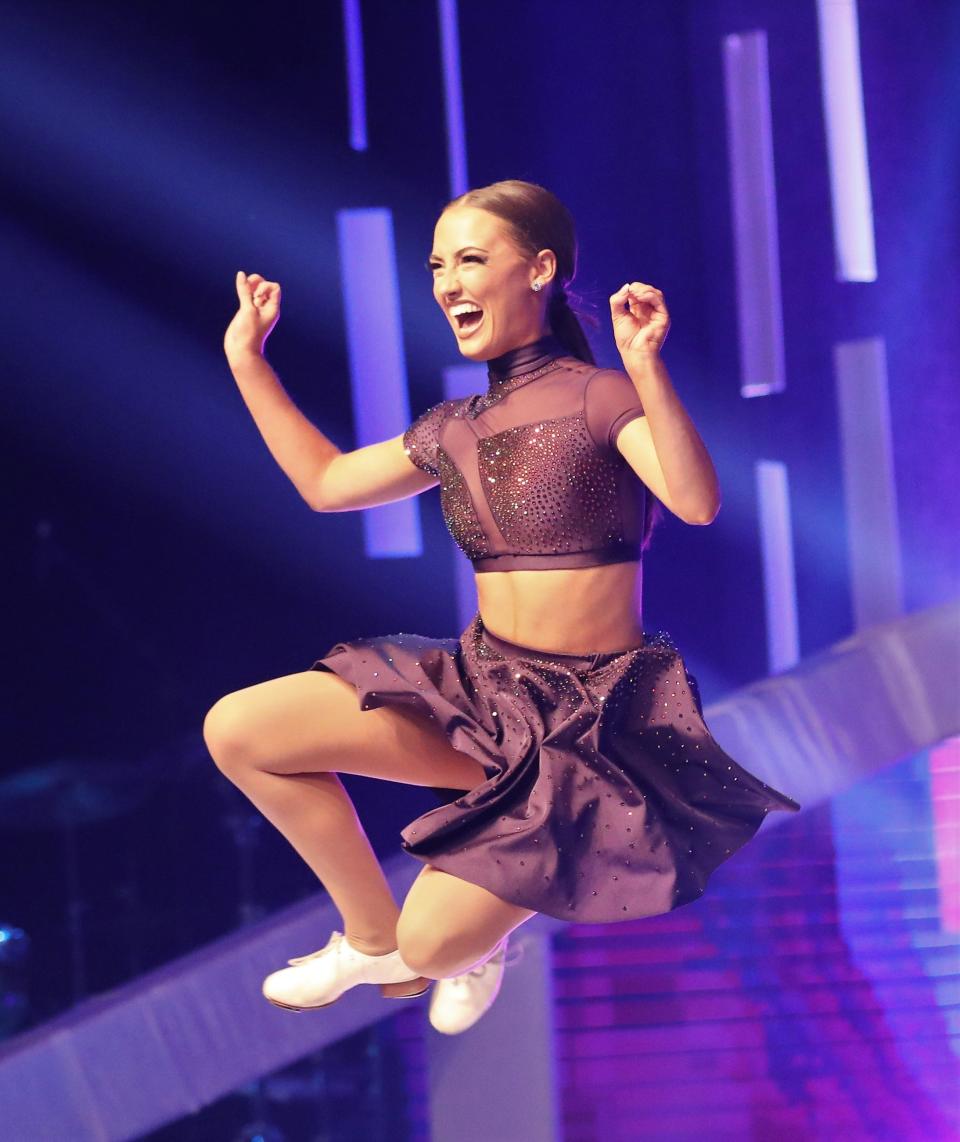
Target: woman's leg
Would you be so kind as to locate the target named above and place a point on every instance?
(280, 742)
(447, 924)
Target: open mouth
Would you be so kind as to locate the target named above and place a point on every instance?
(468, 322)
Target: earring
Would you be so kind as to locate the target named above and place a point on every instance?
(538, 286)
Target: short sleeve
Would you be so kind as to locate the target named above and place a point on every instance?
(610, 401)
(420, 439)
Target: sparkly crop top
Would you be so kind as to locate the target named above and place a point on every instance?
(530, 477)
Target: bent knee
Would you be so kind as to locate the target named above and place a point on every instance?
(428, 950)
(229, 735)
(423, 955)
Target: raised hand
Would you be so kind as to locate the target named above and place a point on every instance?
(640, 318)
(257, 315)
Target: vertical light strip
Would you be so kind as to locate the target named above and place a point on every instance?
(876, 578)
(842, 92)
(453, 97)
(378, 374)
(945, 799)
(779, 576)
(356, 92)
(461, 381)
(753, 199)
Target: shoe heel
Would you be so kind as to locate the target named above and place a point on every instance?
(408, 989)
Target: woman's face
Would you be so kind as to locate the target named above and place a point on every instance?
(475, 265)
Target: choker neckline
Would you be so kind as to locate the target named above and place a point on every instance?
(524, 359)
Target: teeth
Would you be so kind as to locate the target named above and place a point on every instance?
(464, 307)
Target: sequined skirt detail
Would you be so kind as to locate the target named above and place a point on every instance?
(606, 797)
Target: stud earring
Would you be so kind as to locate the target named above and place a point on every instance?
(537, 286)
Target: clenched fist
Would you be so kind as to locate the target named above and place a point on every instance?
(254, 320)
(640, 318)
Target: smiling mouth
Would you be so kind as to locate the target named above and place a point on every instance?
(468, 322)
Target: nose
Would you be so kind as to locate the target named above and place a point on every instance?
(446, 284)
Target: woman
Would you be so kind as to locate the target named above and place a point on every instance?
(589, 786)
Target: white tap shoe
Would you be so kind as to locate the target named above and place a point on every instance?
(458, 1002)
(320, 978)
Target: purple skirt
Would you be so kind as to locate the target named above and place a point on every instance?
(606, 797)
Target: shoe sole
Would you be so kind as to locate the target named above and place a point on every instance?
(319, 1006)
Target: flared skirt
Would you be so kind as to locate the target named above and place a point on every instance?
(606, 797)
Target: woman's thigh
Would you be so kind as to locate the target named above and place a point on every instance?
(312, 722)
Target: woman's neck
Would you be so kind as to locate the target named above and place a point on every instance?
(524, 358)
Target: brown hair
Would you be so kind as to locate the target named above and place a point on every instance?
(538, 220)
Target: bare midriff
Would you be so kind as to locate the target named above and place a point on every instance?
(579, 610)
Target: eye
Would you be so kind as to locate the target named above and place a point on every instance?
(432, 267)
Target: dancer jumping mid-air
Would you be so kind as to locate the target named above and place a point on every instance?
(575, 772)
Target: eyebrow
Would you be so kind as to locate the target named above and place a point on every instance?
(463, 250)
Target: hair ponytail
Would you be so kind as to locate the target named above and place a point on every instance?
(566, 326)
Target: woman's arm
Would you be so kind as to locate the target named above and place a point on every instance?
(326, 478)
(688, 474)
(297, 445)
